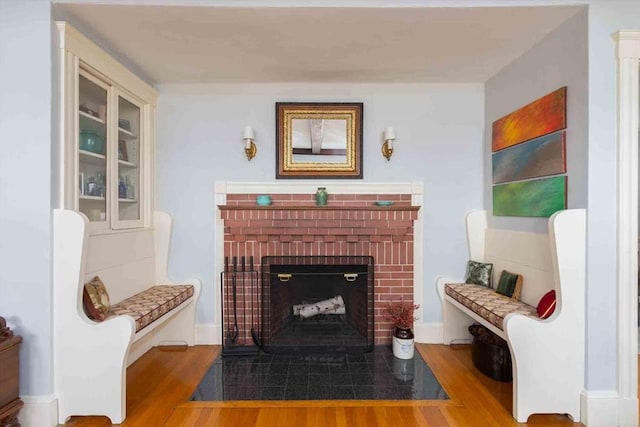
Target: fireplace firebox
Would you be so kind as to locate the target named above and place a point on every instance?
(317, 304)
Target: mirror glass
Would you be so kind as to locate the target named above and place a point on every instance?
(319, 140)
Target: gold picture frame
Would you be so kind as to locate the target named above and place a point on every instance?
(319, 140)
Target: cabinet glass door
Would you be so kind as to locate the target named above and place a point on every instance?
(92, 145)
(129, 161)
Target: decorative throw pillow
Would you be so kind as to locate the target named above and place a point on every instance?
(547, 304)
(518, 288)
(96, 299)
(507, 283)
(478, 273)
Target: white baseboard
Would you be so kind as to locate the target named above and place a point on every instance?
(628, 412)
(428, 333)
(600, 409)
(607, 409)
(39, 411)
(208, 334)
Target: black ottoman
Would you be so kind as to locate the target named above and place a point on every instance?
(490, 354)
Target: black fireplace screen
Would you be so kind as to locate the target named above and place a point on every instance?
(317, 304)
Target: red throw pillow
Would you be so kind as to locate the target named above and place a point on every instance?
(547, 304)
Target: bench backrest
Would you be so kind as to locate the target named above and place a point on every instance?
(131, 261)
(528, 254)
(124, 261)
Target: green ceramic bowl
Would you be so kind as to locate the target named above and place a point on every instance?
(263, 200)
(91, 141)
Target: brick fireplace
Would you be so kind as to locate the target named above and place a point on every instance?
(350, 225)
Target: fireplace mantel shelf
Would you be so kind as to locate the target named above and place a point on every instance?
(317, 208)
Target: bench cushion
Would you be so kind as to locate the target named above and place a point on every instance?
(153, 303)
(487, 303)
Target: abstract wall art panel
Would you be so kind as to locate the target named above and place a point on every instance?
(542, 156)
(541, 117)
(540, 197)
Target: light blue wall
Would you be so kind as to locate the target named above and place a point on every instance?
(439, 130)
(560, 59)
(26, 185)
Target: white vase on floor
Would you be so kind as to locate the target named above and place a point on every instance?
(403, 343)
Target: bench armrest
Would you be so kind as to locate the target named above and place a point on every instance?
(443, 280)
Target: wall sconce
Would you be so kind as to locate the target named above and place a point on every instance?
(387, 147)
(250, 148)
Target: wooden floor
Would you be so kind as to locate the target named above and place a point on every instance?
(161, 382)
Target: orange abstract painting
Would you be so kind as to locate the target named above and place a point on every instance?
(541, 117)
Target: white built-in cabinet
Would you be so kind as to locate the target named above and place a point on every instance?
(108, 120)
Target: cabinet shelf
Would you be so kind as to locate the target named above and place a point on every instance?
(127, 165)
(125, 134)
(87, 157)
(89, 117)
(127, 200)
(90, 123)
(92, 198)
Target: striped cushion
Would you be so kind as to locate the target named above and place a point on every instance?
(487, 303)
(153, 303)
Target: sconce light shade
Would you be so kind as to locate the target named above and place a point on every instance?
(248, 133)
(250, 147)
(387, 146)
(389, 133)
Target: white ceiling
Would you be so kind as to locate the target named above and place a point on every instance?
(207, 44)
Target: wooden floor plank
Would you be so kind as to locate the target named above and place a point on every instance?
(460, 417)
(189, 418)
(161, 382)
(411, 417)
(381, 416)
(434, 416)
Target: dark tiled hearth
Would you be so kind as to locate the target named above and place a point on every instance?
(374, 375)
(321, 334)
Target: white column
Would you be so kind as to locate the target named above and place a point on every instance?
(628, 55)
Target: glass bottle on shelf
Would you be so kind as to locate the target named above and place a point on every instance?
(91, 186)
(100, 185)
(81, 184)
(130, 189)
(122, 188)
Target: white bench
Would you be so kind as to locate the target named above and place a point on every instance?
(90, 358)
(548, 355)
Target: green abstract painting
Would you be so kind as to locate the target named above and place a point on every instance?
(540, 197)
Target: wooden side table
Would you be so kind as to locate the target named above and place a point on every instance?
(10, 402)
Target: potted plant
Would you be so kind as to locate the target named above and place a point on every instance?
(402, 315)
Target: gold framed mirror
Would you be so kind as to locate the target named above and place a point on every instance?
(318, 140)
